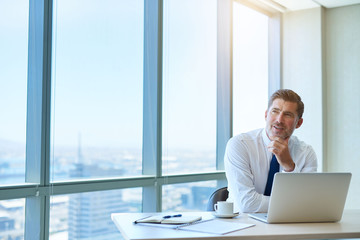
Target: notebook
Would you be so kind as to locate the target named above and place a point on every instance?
(175, 219)
(306, 197)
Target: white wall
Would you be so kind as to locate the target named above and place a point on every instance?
(302, 71)
(342, 32)
(321, 61)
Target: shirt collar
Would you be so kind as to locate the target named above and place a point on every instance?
(265, 137)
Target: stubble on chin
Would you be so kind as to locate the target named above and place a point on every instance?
(272, 136)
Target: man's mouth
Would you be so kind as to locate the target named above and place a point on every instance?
(278, 127)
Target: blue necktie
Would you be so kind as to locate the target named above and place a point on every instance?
(274, 168)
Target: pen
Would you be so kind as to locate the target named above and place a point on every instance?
(137, 221)
(171, 216)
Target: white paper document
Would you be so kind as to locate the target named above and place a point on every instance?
(215, 226)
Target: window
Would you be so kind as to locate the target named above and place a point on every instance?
(12, 217)
(87, 215)
(97, 89)
(189, 88)
(13, 90)
(187, 196)
(250, 68)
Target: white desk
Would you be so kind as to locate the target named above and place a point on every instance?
(348, 227)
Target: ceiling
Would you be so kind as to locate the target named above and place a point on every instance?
(294, 5)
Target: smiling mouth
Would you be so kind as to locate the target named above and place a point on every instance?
(278, 128)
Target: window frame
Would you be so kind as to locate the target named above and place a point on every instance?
(38, 189)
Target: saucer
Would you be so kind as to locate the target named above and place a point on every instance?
(225, 215)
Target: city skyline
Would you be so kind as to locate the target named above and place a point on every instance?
(176, 197)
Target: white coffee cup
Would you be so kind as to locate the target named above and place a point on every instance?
(224, 208)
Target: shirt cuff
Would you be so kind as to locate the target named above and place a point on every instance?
(296, 170)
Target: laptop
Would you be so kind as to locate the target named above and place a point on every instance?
(306, 197)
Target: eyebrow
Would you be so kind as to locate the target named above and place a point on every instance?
(285, 112)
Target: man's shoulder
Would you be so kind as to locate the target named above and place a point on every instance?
(253, 135)
(245, 142)
(299, 144)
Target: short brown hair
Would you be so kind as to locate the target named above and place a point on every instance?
(288, 96)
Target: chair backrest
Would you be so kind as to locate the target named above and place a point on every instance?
(220, 194)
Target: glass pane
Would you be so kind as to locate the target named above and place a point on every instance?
(12, 219)
(97, 89)
(87, 215)
(14, 16)
(187, 196)
(250, 68)
(189, 88)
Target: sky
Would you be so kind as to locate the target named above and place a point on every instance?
(13, 69)
(97, 73)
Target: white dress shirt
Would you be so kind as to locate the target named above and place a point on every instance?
(247, 163)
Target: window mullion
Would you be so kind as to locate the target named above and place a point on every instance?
(38, 117)
(224, 79)
(153, 10)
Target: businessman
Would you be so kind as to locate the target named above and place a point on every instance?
(250, 156)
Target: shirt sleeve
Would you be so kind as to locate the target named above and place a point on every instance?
(241, 180)
(306, 164)
(310, 161)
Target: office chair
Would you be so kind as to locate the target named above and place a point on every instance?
(220, 194)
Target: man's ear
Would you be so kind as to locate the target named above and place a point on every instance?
(299, 123)
(265, 114)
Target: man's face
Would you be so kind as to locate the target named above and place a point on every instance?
(281, 119)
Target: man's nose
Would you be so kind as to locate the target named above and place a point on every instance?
(280, 117)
